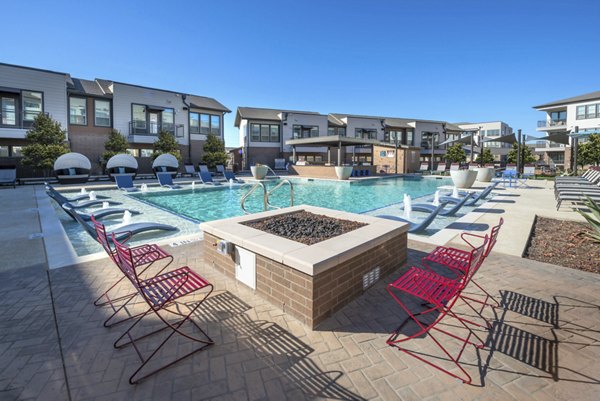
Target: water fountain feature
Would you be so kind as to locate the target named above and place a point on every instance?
(407, 206)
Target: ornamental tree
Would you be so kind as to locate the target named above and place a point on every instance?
(456, 154)
(485, 157)
(527, 155)
(166, 143)
(589, 152)
(214, 151)
(45, 143)
(115, 145)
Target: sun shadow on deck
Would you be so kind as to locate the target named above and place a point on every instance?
(468, 226)
(488, 210)
(275, 348)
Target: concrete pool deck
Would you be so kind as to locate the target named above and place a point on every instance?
(544, 345)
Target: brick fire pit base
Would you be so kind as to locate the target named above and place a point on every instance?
(310, 282)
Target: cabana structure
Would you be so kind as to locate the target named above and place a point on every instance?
(166, 163)
(72, 168)
(401, 158)
(122, 163)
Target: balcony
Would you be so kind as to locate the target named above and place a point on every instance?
(152, 129)
(544, 125)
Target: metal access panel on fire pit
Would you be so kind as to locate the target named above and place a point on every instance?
(245, 267)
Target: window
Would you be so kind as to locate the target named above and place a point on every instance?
(410, 137)
(493, 132)
(264, 133)
(3, 151)
(146, 152)
(16, 151)
(138, 112)
(194, 123)
(215, 125)
(365, 133)
(274, 130)
(204, 124)
(102, 113)
(168, 120)
(580, 112)
(77, 111)
(482, 132)
(590, 111)
(558, 116)
(8, 109)
(341, 131)
(134, 152)
(305, 131)
(32, 105)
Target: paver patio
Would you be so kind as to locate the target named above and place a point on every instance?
(544, 344)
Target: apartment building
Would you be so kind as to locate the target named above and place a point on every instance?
(263, 134)
(486, 133)
(89, 109)
(577, 116)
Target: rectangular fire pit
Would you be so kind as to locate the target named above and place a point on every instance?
(329, 258)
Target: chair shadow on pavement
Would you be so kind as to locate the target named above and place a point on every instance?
(274, 348)
(538, 348)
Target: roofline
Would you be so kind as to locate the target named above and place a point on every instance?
(34, 69)
(483, 122)
(168, 91)
(564, 103)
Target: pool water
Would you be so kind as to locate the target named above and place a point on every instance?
(208, 204)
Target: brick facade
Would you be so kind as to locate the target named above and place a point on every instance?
(312, 299)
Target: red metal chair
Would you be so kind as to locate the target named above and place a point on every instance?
(442, 293)
(160, 293)
(143, 256)
(457, 261)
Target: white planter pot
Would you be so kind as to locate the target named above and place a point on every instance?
(259, 172)
(485, 174)
(463, 178)
(343, 172)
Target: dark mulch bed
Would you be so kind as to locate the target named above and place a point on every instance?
(307, 228)
(564, 243)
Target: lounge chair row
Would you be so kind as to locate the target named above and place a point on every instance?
(576, 189)
(465, 199)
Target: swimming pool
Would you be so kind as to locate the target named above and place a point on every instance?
(208, 204)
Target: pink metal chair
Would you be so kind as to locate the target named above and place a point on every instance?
(442, 293)
(457, 260)
(161, 293)
(143, 256)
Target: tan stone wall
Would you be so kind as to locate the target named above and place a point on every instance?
(313, 299)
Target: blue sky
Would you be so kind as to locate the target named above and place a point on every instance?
(476, 60)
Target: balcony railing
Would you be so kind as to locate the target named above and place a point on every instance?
(152, 129)
(551, 123)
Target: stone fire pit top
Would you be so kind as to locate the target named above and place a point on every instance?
(309, 259)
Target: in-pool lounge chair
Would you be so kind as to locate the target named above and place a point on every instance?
(125, 182)
(428, 207)
(416, 227)
(166, 180)
(75, 198)
(475, 197)
(123, 231)
(206, 177)
(100, 213)
(8, 176)
(61, 200)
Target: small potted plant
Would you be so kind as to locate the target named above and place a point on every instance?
(259, 171)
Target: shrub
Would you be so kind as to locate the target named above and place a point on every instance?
(593, 218)
(115, 145)
(166, 143)
(45, 143)
(456, 154)
(214, 152)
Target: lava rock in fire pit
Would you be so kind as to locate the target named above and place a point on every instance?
(307, 228)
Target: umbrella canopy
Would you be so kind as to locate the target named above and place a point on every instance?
(122, 160)
(165, 160)
(466, 140)
(559, 137)
(504, 139)
(72, 160)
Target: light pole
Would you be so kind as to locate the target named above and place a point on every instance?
(432, 149)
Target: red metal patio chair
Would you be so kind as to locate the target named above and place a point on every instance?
(143, 256)
(457, 260)
(161, 293)
(442, 293)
